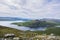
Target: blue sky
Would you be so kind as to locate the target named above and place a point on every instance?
(34, 9)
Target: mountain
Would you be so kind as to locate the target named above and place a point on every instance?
(13, 19)
(50, 20)
(37, 24)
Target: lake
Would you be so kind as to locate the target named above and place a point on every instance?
(8, 24)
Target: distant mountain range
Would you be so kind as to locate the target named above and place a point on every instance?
(13, 19)
(26, 19)
(50, 20)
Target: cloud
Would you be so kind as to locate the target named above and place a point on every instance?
(30, 8)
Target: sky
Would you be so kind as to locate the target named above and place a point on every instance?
(34, 9)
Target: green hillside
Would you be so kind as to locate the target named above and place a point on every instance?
(48, 31)
(54, 30)
(36, 24)
(5, 30)
(18, 33)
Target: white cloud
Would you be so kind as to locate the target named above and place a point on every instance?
(30, 8)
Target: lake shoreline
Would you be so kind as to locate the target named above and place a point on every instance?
(8, 24)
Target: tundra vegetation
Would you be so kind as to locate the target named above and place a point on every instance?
(28, 34)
